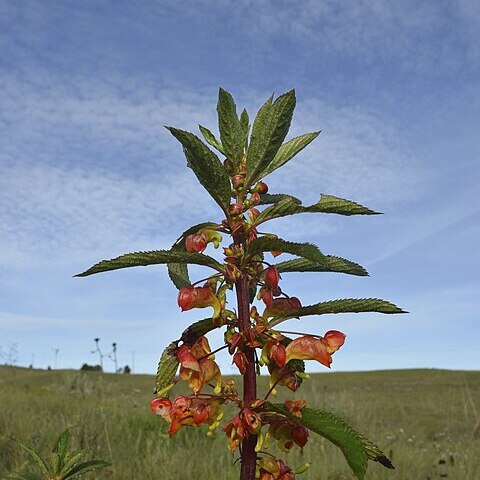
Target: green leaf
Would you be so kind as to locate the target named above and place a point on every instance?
(211, 139)
(326, 204)
(71, 461)
(85, 467)
(167, 368)
(192, 333)
(229, 126)
(206, 165)
(178, 272)
(24, 476)
(269, 244)
(244, 127)
(55, 463)
(269, 198)
(374, 453)
(333, 429)
(329, 263)
(63, 442)
(346, 305)
(156, 257)
(288, 150)
(269, 130)
(34, 454)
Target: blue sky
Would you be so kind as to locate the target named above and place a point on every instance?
(87, 170)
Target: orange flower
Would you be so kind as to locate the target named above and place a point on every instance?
(199, 297)
(196, 367)
(313, 348)
(235, 432)
(294, 407)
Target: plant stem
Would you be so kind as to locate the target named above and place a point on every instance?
(249, 456)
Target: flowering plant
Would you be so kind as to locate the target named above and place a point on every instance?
(251, 330)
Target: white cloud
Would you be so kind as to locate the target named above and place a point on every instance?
(87, 166)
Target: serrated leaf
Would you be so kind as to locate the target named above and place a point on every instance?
(178, 272)
(326, 204)
(269, 244)
(211, 139)
(34, 454)
(156, 257)
(333, 429)
(206, 165)
(229, 126)
(288, 150)
(374, 453)
(244, 127)
(167, 368)
(63, 442)
(346, 305)
(85, 467)
(269, 198)
(330, 263)
(268, 132)
(192, 333)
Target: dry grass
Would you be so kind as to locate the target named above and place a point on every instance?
(427, 420)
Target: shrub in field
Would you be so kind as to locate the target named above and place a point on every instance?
(252, 334)
(63, 465)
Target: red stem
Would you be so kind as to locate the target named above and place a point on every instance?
(248, 456)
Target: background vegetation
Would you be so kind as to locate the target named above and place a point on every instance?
(428, 421)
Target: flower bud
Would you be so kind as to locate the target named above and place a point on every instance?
(235, 209)
(261, 188)
(238, 181)
(228, 166)
(254, 199)
(196, 242)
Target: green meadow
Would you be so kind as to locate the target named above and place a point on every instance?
(427, 421)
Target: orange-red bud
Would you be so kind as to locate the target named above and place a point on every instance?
(261, 188)
(235, 209)
(196, 242)
(238, 181)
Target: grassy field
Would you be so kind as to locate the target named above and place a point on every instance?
(426, 420)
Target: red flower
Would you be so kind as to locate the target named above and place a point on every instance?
(196, 242)
(240, 360)
(278, 354)
(198, 297)
(272, 277)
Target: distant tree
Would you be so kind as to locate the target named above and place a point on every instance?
(127, 369)
(10, 356)
(91, 368)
